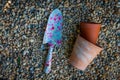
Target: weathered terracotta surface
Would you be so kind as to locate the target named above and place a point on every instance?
(83, 53)
(90, 31)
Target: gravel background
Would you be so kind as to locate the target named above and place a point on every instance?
(22, 26)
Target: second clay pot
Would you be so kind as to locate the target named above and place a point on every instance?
(90, 31)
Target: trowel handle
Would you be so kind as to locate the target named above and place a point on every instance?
(47, 68)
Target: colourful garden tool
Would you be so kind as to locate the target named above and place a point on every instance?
(53, 35)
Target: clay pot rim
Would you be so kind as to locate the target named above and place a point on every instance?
(97, 46)
(92, 43)
(89, 23)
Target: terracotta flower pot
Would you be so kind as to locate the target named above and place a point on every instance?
(90, 31)
(83, 53)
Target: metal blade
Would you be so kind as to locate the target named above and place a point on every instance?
(53, 33)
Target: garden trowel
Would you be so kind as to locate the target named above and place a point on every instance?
(53, 35)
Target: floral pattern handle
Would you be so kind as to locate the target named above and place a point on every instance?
(47, 67)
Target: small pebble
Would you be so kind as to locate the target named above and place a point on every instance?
(24, 37)
(25, 52)
(1, 47)
(9, 2)
(118, 4)
(42, 47)
(118, 32)
(31, 40)
(118, 44)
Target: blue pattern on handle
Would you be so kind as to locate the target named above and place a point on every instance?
(47, 68)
